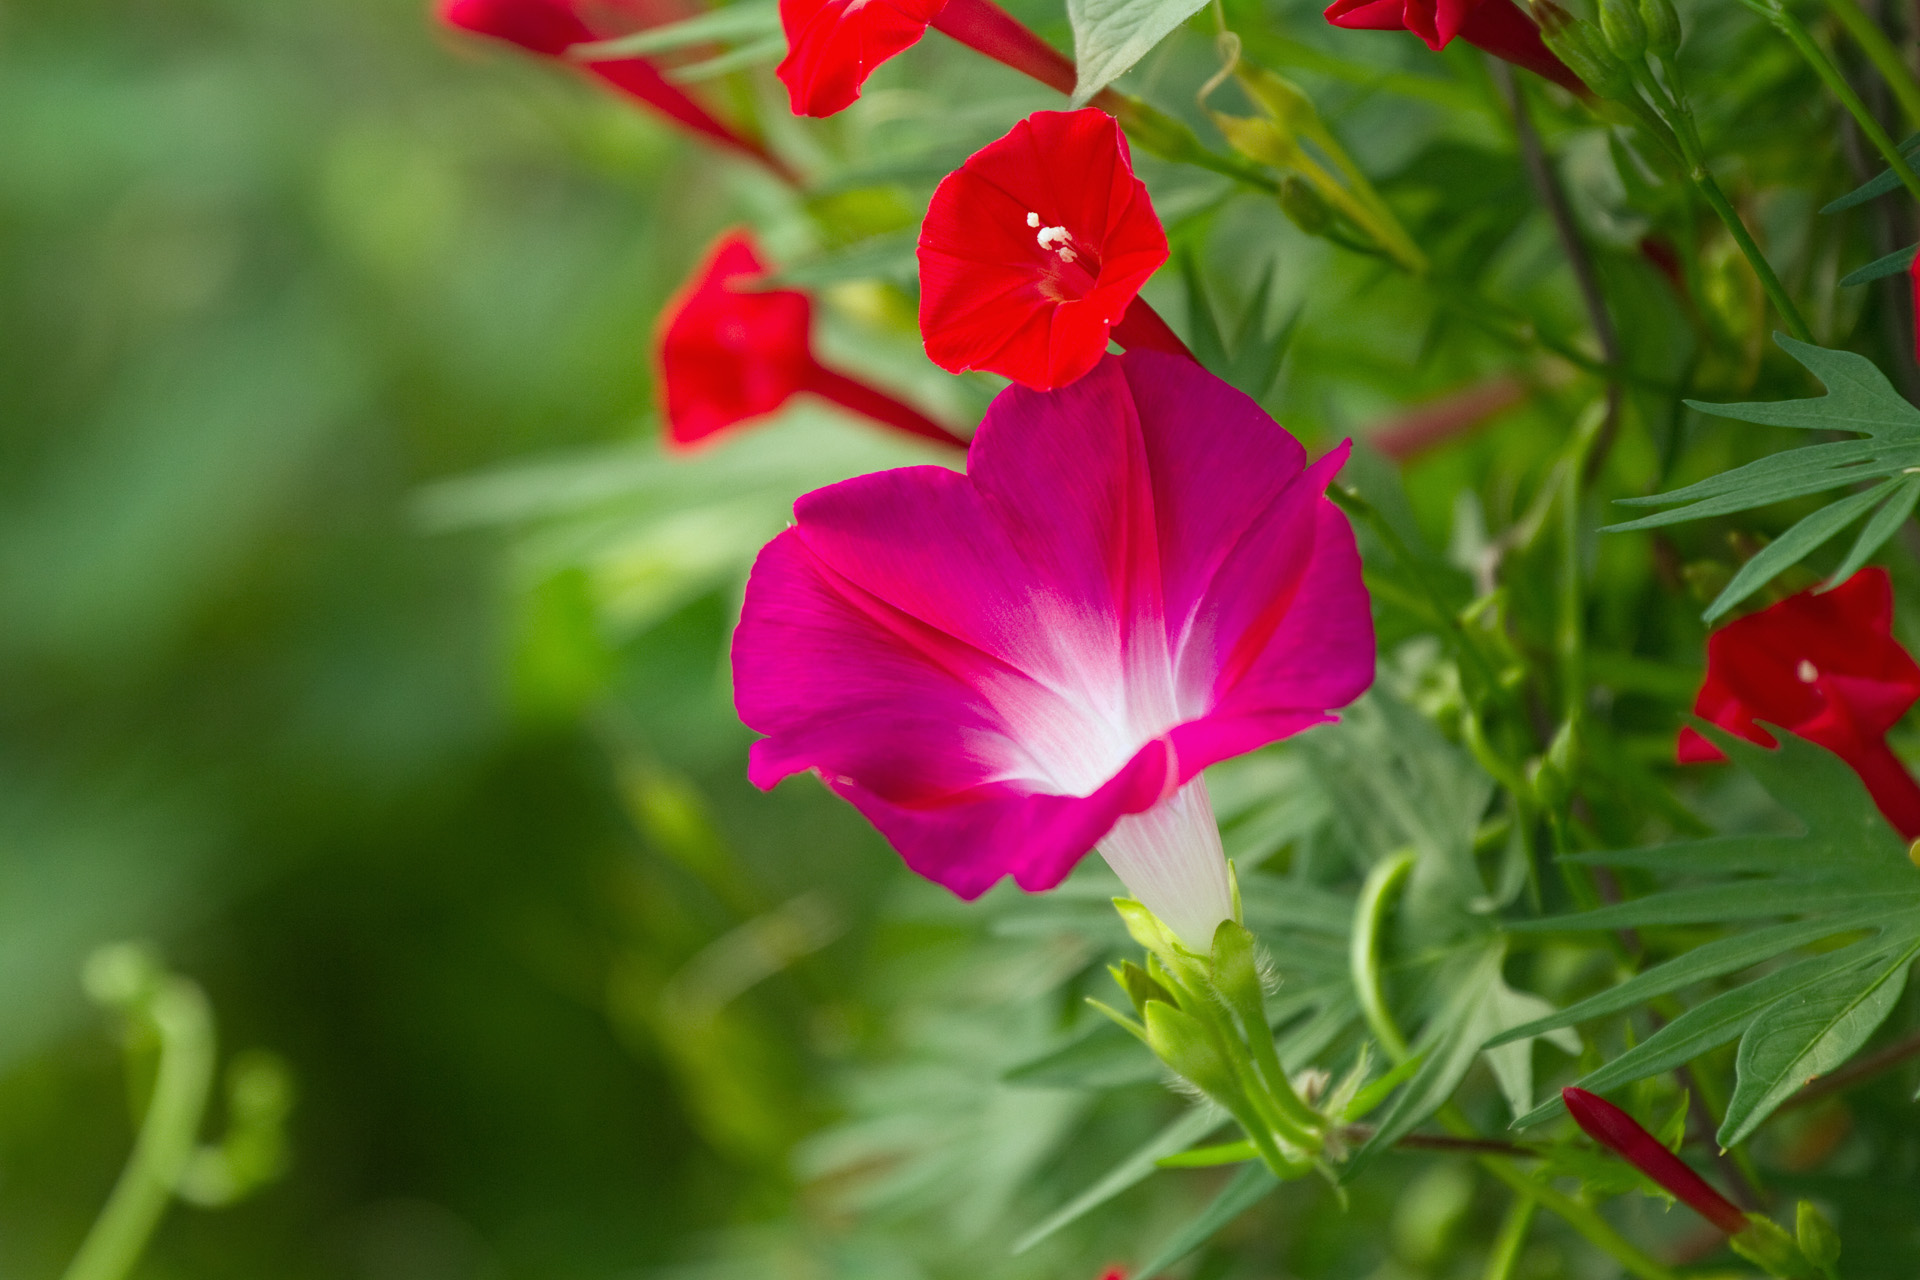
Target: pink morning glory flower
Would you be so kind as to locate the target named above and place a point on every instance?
(1138, 576)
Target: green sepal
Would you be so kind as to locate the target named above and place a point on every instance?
(1766, 1244)
(1139, 985)
(1235, 971)
(1371, 1096)
(1128, 1024)
(1816, 1237)
(1184, 1043)
(1209, 1157)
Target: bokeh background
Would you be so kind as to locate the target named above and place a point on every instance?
(360, 650)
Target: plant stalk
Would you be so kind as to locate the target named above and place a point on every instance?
(179, 1014)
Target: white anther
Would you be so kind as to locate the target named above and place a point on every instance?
(1807, 672)
(1033, 219)
(1066, 254)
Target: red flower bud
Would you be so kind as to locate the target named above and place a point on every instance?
(1613, 1128)
(729, 354)
(1033, 253)
(1826, 667)
(1498, 26)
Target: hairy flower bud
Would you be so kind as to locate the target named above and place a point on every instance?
(1625, 32)
(1583, 47)
(1304, 206)
(1662, 21)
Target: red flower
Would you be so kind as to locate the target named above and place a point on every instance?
(729, 354)
(1033, 253)
(551, 27)
(832, 45)
(1613, 1128)
(1913, 280)
(1827, 668)
(1498, 26)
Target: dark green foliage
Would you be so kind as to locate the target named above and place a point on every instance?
(1844, 876)
(1860, 401)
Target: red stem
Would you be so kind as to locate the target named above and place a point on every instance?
(868, 402)
(640, 79)
(1438, 421)
(1142, 326)
(1611, 1127)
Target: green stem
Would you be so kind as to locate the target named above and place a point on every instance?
(179, 1014)
(1776, 292)
(1680, 134)
(1581, 1218)
(1154, 131)
(1512, 1237)
(1369, 917)
(1881, 53)
(1792, 28)
(1469, 652)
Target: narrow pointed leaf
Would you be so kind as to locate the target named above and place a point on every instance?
(1890, 265)
(1794, 546)
(1247, 1189)
(1874, 534)
(1809, 1034)
(1702, 1028)
(1886, 180)
(1136, 1168)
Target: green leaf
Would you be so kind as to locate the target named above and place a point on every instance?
(1874, 534)
(1890, 265)
(1512, 1060)
(1795, 545)
(1210, 1157)
(1450, 1042)
(1704, 1027)
(1859, 401)
(1104, 1057)
(1709, 960)
(1136, 1168)
(1109, 36)
(1847, 870)
(1809, 1034)
(1247, 1189)
(1886, 180)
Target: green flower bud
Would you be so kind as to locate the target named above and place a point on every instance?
(1183, 1043)
(1583, 47)
(1816, 1236)
(1625, 32)
(1304, 206)
(1663, 27)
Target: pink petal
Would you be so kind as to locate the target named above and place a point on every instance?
(846, 685)
(972, 842)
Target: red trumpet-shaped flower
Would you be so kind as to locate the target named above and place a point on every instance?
(1033, 253)
(729, 353)
(552, 27)
(1498, 26)
(1613, 1128)
(1827, 668)
(832, 45)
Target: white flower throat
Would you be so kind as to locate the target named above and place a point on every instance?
(1056, 240)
